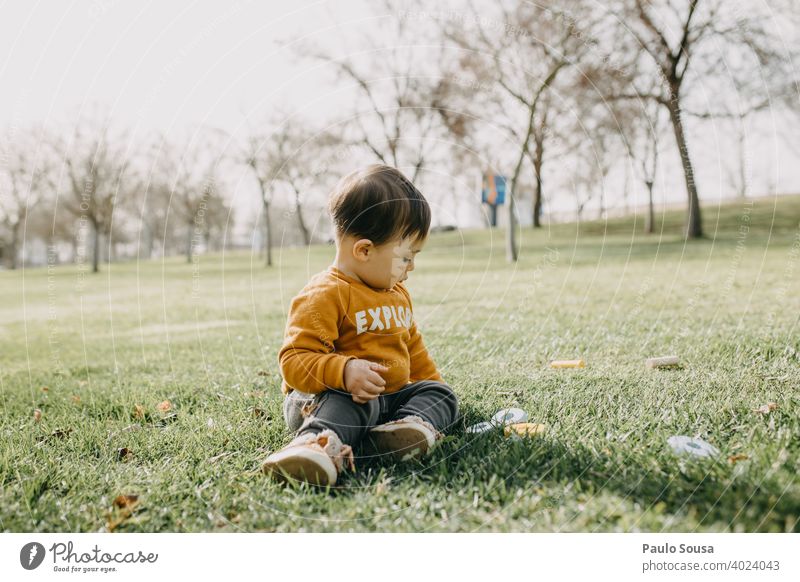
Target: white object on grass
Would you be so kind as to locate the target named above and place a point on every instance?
(502, 417)
(510, 416)
(481, 427)
(682, 444)
(664, 362)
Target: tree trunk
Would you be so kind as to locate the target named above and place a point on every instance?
(511, 235)
(12, 251)
(537, 171)
(300, 222)
(743, 182)
(602, 206)
(149, 241)
(649, 223)
(96, 248)
(694, 226)
(511, 244)
(267, 233)
(189, 249)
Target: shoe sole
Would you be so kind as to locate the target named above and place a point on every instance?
(402, 442)
(301, 464)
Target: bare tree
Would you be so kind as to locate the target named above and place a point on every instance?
(24, 181)
(258, 154)
(683, 43)
(642, 127)
(305, 160)
(189, 174)
(98, 176)
(738, 168)
(394, 78)
(153, 207)
(648, 163)
(535, 47)
(286, 153)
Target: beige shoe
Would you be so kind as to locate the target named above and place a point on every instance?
(404, 439)
(314, 458)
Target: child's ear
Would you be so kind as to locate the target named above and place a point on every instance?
(362, 249)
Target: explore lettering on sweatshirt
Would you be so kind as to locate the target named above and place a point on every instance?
(336, 318)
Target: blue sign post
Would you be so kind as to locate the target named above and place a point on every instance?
(493, 193)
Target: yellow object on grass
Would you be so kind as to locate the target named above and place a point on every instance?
(524, 429)
(567, 364)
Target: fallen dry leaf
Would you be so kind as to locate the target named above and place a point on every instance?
(124, 506)
(138, 411)
(124, 454)
(45, 389)
(259, 412)
(165, 406)
(76, 399)
(766, 408)
(37, 415)
(263, 373)
(126, 501)
(733, 459)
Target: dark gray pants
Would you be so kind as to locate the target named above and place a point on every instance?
(336, 410)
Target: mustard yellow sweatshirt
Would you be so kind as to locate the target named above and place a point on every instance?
(336, 318)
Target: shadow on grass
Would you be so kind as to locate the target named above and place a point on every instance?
(711, 492)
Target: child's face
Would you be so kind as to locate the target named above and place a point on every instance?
(386, 265)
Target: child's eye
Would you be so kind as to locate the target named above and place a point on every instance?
(406, 260)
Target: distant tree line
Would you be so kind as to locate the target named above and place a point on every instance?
(509, 86)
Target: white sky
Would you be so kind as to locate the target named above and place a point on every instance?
(172, 65)
(157, 64)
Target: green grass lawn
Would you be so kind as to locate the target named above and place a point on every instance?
(97, 354)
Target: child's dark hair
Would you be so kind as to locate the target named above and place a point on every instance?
(379, 203)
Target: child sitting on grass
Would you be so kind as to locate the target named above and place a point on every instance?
(353, 361)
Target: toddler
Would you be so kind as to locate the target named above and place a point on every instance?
(354, 366)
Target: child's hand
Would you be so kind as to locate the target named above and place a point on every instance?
(362, 381)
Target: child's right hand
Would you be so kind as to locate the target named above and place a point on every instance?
(362, 381)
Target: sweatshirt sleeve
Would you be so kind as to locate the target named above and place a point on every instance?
(422, 365)
(308, 360)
